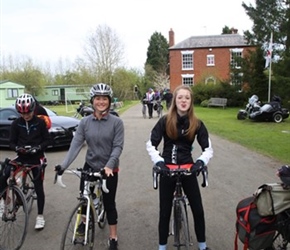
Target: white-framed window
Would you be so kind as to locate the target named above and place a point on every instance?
(210, 60)
(187, 60)
(210, 80)
(237, 79)
(188, 79)
(236, 55)
(12, 93)
(54, 92)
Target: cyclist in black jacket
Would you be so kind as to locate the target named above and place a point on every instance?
(29, 130)
(178, 130)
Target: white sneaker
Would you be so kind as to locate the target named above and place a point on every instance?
(40, 222)
(1, 208)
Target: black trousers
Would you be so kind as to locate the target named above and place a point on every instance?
(150, 109)
(109, 198)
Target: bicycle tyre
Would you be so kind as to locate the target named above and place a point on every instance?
(14, 221)
(101, 214)
(29, 192)
(160, 112)
(70, 238)
(144, 112)
(181, 229)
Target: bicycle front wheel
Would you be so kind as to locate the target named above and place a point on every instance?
(75, 236)
(181, 229)
(160, 111)
(144, 111)
(14, 220)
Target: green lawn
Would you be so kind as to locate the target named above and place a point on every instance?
(268, 138)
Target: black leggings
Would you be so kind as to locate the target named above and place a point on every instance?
(191, 189)
(109, 198)
(38, 185)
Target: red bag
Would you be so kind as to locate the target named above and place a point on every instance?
(255, 231)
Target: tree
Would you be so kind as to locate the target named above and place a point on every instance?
(157, 62)
(104, 52)
(269, 16)
(25, 72)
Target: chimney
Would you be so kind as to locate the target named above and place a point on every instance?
(171, 38)
(234, 31)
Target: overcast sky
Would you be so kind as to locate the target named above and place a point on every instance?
(47, 30)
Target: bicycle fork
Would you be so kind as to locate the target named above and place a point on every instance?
(83, 218)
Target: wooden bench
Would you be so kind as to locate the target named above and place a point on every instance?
(219, 102)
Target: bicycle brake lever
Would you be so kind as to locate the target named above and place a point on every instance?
(104, 186)
(59, 181)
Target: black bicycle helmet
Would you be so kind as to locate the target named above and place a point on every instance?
(101, 89)
(284, 174)
(25, 103)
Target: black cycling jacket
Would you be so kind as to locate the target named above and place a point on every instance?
(32, 133)
(178, 151)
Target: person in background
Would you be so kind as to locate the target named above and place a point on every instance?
(157, 95)
(104, 135)
(167, 96)
(178, 129)
(29, 130)
(149, 96)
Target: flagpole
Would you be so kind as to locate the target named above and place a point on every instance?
(270, 68)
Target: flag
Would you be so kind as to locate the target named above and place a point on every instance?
(269, 53)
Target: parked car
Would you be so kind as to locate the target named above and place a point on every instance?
(62, 127)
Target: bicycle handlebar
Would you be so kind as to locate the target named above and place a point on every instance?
(79, 172)
(27, 149)
(178, 171)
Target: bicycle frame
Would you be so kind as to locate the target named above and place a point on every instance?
(22, 172)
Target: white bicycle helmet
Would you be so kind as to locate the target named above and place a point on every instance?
(101, 89)
(25, 103)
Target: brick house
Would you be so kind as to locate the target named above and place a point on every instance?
(205, 59)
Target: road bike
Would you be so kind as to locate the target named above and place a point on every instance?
(79, 231)
(13, 213)
(144, 108)
(179, 220)
(25, 180)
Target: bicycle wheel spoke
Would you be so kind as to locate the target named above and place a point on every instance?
(73, 237)
(14, 221)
